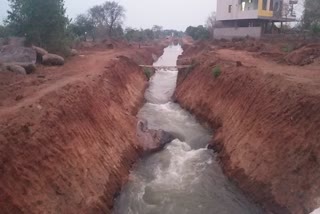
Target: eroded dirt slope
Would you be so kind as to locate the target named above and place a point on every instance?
(267, 120)
(68, 141)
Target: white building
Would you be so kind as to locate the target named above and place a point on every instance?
(241, 18)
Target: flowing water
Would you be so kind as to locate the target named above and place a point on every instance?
(185, 177)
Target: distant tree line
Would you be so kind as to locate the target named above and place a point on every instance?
(203, 32)
(96, 25)
(45, 24)
(156, 32)
(198, 33)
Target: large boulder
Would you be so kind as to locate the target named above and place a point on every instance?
(17, 54)
(152, 140)
(52, 59)
(40, 51)
(29, 67)
(13, 41)
(74, 52)
(16, 69)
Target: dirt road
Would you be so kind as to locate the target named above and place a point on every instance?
(17, 91)
(306, 76)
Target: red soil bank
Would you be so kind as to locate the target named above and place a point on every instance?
(267, 127)
(68, 144)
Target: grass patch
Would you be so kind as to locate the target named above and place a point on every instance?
(147, 72)
(287, 48)
(216, 71)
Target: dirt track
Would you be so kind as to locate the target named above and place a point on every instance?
(48, 79)
(307, 76)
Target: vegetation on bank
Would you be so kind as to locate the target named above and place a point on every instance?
(148, 72)
(216, 71)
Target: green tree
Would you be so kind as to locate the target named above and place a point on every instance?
(3, 32)
(42, 22)
(211, 24)
(198, 33)
(311, 16)
(141, 35)
(82, 26)
(115, 14)
(107, 18)
(157, 30)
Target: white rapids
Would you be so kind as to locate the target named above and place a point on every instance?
(184, 178)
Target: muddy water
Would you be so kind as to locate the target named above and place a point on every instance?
(185, 177)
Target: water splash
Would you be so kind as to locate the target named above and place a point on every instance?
(185, 177)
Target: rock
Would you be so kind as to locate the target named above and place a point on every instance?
(74, 52)
(30, 68)
(110, 46)
(52, 59)
(239, 64)
(40, 51)
(14, 41)
(19, 97)
(16, 69)
(152, 140)
(17, 54)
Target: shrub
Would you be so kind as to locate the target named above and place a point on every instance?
(148, 73)
(287, 48)
(216, 71)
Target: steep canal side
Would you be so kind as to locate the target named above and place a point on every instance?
(266, 118)
(70, 145)
(185, 177)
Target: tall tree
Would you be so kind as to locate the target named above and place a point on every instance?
(311, 16)
(3, 31)
(115, 14)
(83, 26)
(211, 24)
(198, 33)
(157, 30)
(107, 18)
(98, 16)
(42, 22)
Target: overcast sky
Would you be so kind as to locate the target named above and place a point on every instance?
(171, 14)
